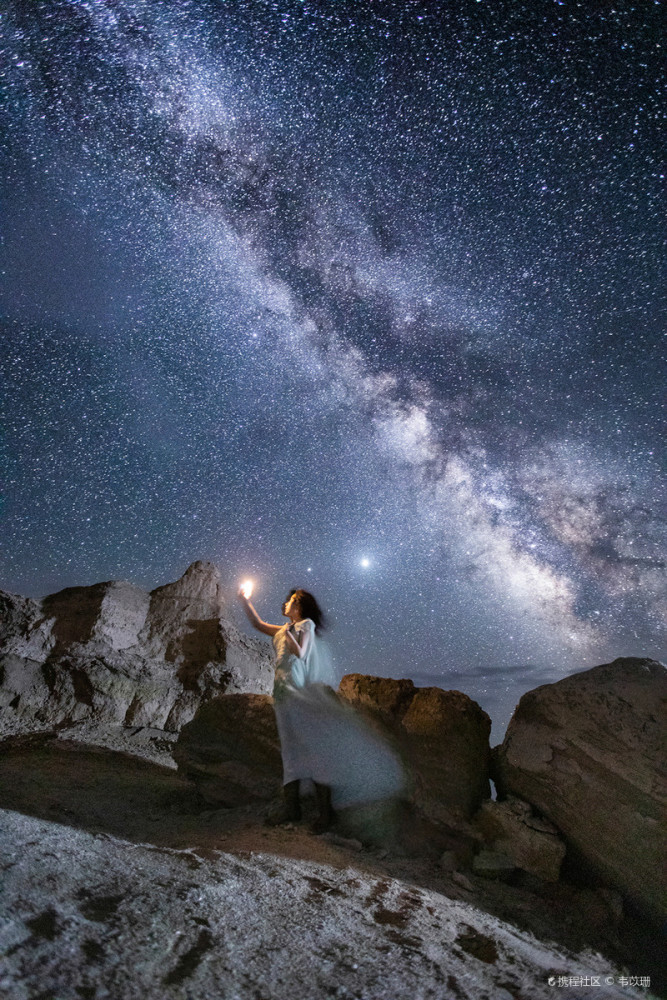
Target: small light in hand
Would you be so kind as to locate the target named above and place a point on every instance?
(246, 588)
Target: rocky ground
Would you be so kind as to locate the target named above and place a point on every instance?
(125, 875)
(117, 883)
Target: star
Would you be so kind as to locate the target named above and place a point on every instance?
(271, 283)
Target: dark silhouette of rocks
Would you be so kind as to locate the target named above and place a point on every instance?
(231, 750)
(589, 753)
(115, 653)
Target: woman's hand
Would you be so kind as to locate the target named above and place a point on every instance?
(248, 608)
(254, 618)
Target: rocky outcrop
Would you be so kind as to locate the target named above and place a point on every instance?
(443, 738)
(114, 880)
(113, 652)
(531, 843)
(589, 753)
(231, 750)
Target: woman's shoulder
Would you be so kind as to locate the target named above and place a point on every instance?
(305, 625)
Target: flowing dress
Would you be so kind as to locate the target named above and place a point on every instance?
(322, 738)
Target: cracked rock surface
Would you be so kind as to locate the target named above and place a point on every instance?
(115, 653)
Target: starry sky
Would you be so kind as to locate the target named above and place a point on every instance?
(358, 296)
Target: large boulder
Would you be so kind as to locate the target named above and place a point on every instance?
(443, 738)
(589, 753)
(115, 653)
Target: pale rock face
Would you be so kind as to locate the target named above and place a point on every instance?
(24, 631)
(181, 617)
(589, 753)
(122, 615)
(113, 652)
(111, 613)
(131, 920)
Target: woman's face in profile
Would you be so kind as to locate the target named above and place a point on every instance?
(290, 605)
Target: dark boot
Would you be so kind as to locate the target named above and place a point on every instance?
(292, 803)
(326, 815)
(290, 810)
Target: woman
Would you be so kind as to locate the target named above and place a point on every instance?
(300, 663)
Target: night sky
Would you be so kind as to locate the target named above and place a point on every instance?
(358, 296)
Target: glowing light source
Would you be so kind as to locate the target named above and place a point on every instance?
(246, 588)
(364, 562)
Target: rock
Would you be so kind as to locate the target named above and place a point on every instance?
(89, 915)
(111, 613)
(448, 861)
(460, 879)
(231, 750)
(384, 695)
(93, 853)
(442, 736)
(350, 843)
(589, 753)
(493, 864)
(533, 844)
(114, 653)
(603, 907)
(614, 904)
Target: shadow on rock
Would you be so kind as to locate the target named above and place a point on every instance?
(94, 789)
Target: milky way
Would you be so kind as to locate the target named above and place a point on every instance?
(357, 296)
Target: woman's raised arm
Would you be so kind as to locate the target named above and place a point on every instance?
(254, 618)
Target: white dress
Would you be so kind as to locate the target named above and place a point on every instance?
(320, 737)
(294, 714)
(293, 672)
